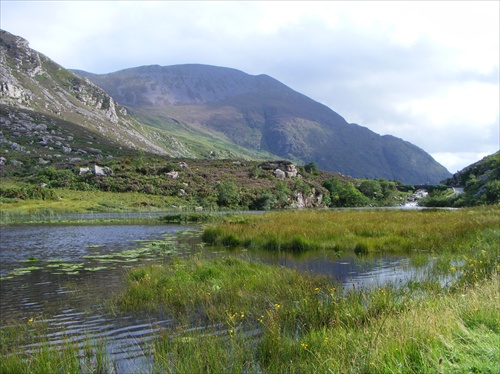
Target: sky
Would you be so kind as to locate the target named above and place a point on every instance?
(423, 71)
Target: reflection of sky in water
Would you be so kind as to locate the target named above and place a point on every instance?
(70, 243)
(356, 271)
(63, 298)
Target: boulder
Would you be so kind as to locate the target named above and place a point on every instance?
(102, 171)
(286, 167)
(173, 174)
(280, 174)
(83, 171)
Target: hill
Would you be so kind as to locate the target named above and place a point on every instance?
(262, 114)
(50, 115)
(476, 184)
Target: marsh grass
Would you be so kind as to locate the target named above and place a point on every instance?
(68, 201)
(25, 349)
(275, 320)
(259, 318)
(362, 231)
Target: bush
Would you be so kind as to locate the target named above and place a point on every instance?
(265, 201)
(311, 168)
(227, 194)
(27, 192)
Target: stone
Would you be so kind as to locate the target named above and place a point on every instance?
(83, 171)
(173, 174)
(280, 174)
(102, 171)
(16, 163)
(287, 167)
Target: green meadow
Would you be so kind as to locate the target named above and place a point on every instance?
(234, 314)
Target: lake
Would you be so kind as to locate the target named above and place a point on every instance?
(62, 274)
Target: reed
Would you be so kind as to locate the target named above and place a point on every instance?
(25, 348)
(257, 318)
(361, 231)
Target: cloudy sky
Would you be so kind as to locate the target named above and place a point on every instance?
(424, 71)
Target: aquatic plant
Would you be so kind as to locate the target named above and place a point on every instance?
(362, 231)
(268, 319)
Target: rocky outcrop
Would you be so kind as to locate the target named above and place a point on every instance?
(281, 169)
(30, 80)
(313, 200)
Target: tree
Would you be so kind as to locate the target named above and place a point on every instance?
(344, 194)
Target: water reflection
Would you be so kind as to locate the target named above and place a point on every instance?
(69, 301)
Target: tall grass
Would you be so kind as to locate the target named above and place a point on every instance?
(25, 349)
(256, 318)
(361, 231)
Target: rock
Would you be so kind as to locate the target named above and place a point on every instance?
(17, 147)
(280, 174)
(102, 171)
(16, 163)
(198, 209)
(287, 167)
(83, 171)
(181, 192)
(183, 165)
(173, 174)
(3, 161)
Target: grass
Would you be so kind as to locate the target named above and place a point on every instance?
(360, 231)
(42, 357)
(69, 201)
(238, 316)
(258, 318)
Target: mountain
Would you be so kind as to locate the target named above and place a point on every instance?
(49, 114)
(260, 113)
(30, 80)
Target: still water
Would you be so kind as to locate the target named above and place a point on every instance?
(61, 274)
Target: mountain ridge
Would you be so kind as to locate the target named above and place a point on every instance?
(261, 113)
(197, 110)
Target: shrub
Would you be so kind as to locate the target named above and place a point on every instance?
(227, 194)
(211, 235)
(265, 201)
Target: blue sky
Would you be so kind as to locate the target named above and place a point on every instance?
(424, 71)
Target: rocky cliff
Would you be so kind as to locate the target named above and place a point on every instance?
(31, 81)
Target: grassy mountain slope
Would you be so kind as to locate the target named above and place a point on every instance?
(262, 114)
(32, 85)
(476, 184)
